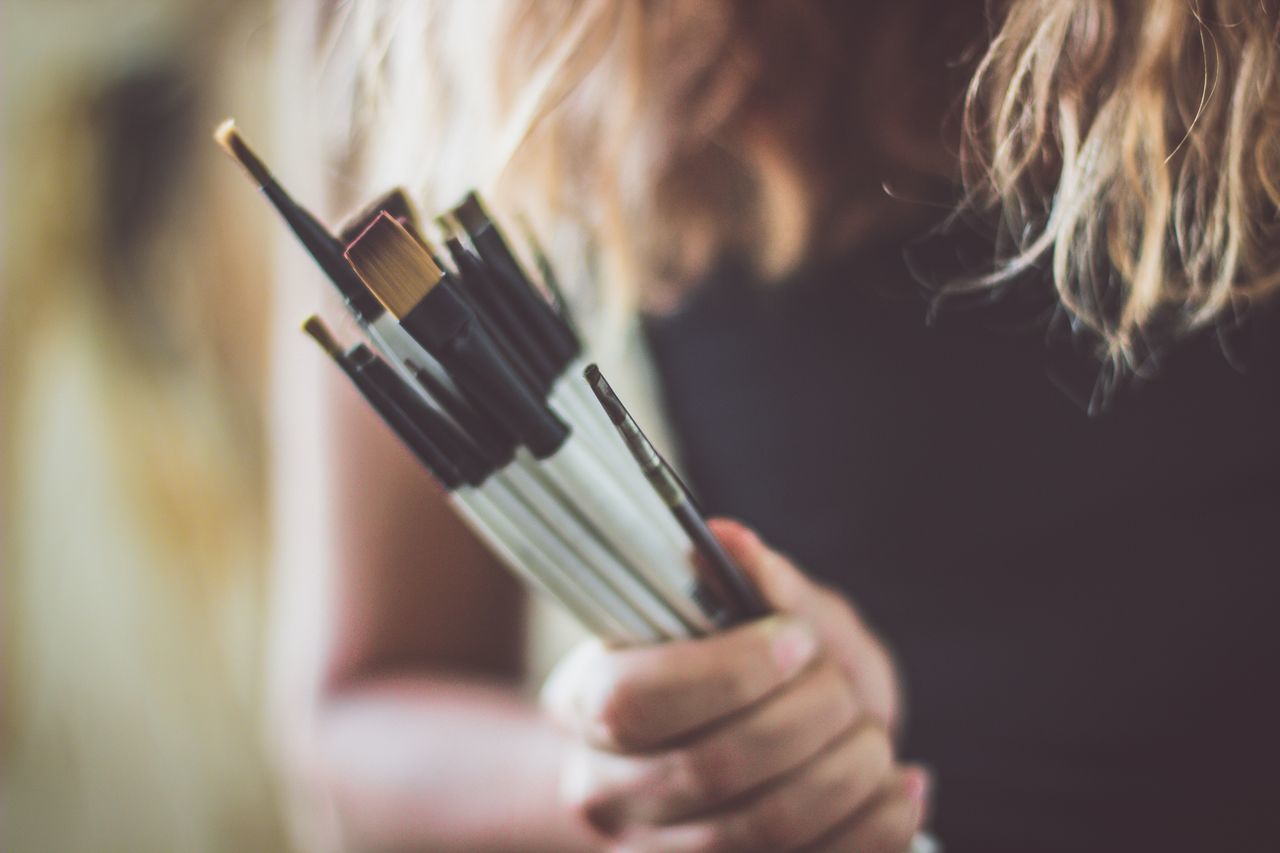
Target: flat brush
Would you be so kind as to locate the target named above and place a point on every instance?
(724, 577)
(491, 437)
(404, 278)
(547, 553)
(327, 250)
(395, 202)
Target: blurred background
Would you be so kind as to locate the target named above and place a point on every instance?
(133, 485)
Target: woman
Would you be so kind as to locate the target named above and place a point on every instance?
(1049, 487)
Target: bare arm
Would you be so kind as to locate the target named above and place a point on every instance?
(418, 735)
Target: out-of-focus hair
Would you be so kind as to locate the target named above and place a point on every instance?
(1135, 147)
(1130, 148)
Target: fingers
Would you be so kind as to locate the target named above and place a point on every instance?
(799, 810)
(841, 632)
(773, 738)
(636, 699)
(782, 584)
(886, 825)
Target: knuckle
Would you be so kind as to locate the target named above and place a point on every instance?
(597, 810)
(736, 685)
(582, 795)
(844, 707)
(707, 772)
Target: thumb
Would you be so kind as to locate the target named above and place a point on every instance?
(844, 635)
(784, 587)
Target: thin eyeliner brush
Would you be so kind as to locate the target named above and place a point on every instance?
(547, 273)
(403, 277)
(723, 576)
(326, 250)
(323, 247)
(430, 454)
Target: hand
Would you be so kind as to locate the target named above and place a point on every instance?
(774, 735)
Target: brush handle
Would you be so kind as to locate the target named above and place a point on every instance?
(508, 526)
(611, 510)
(611, 580)
(449, 330)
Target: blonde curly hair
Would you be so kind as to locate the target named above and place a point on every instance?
(1130, 150)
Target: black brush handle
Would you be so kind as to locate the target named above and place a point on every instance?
(450, 331)
(557, 339)
(431, 455)
(458, 448)
(504, 316)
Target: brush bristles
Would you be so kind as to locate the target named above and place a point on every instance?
(393, 265)
(449, 228)
(233, 143)
(319, 332)
(395, 201)
(604, 393)
(471, 214)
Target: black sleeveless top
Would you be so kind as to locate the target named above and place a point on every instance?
(1083, 609)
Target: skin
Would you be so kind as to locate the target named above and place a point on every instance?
(776, 735)
(772, 736)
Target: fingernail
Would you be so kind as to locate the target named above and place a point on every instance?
(793, 647)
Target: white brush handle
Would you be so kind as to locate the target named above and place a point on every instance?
(611, 509)
(610, 578)
(582, 560)
(539, 566)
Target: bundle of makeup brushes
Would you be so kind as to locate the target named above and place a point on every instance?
(482, 376)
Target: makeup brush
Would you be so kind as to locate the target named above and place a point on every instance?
(395, 202)
(503, 523)
(403, 277)
(431, 455)
(327, 251)
(549, 553)
(477, 281)
(534, 325)
(559, 342)
(323, 247)
(548, 275)
(724, 577)
(554, 329)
